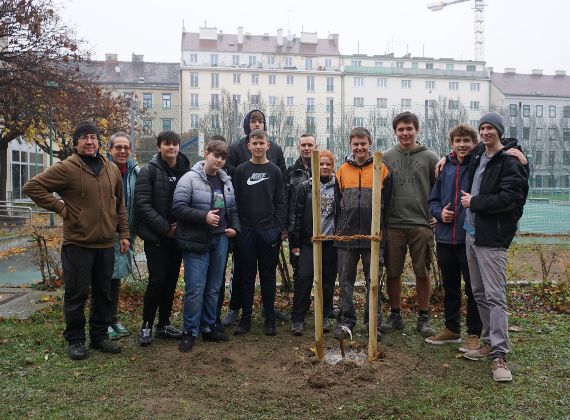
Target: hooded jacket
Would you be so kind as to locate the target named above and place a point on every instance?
(239, 152)
(296, 174)
(413, 173)
(502, 196)
(153, 196)
(94, 204)
(193, 199)
(354, 200)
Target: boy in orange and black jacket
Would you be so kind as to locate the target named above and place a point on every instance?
(354, 217)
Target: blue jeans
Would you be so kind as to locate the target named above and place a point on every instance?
(203, 275)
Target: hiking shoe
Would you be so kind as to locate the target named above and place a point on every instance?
(423, 326)
(106, 346)
(394, 322)
(243, 327)
(297, 328)
(501, 372)
(270, 329)
(218, 326)
(483, 352)
(471, 343)
(186, 343)
(343, 332)
(168, 331)
(112, 334)
(230, 318)
(215, 336)
(145, 335)
(76, 351)
(120, 329)
(444, 337)
(328, 325)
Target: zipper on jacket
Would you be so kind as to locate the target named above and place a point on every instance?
(454, 238)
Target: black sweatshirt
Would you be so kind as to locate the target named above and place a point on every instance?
(260, 196)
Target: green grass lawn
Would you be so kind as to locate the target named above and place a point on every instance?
(260, 377)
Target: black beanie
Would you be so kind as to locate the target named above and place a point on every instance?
(84, 127)
(495, 120)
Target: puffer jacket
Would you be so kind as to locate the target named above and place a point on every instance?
(193, 199)
(297, 174)
(354, 200)
(94, 204)
(153, 197)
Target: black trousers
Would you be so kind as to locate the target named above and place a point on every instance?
(304, 280)
(163, 261)
(87, 271)
(115, 293)
(452, 261)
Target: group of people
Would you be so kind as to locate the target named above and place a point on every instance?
(242, 199)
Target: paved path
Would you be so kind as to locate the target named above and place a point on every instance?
(21, 303)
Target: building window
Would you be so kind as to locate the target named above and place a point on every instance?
(382, 121)
(308, 63)
(552, 111)
(290, 100)
(551, 158)
(513, 131)
(474, 105)
(237, 78)
(193, 58)
(552, 133)
(453, 104)
(252, 60)
(215, 101)
(526, 133)
(406, 103)
(430, 84)
(288, 61)
(399, 64)
(311, 125)
(475, 87)
(382, 82)
(194, 100)
(406, 84)
(526, 110)
(328, 63)
(166, 124)
(236, 99)
(539, 111)
(147, 100)
(453, 85)
(378, 64)
(254, 99)
(271, 60)
(429, 66)
(273, 100)
(289, 121)
(194, 79)
(215, 80)
(538, 158)
(330, 84)
(25, 165)
(356, 63)
(538, 133)
(431, 105)
(147, 126)
(311, 105)
(310, 83)
(290, 80)
(566, 158)
(358, 122)
(359, 81)
(194, 121)
(414, 64)
(359, 102)
(471, 67)
(235, 60)
(566, 134)
(513, 110)
(566, 111)
(166, 101)
(449, 66)
(214, 60)
(272, 79)
(382, 102)
(255, 79)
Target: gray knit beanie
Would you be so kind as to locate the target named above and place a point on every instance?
(496, 120)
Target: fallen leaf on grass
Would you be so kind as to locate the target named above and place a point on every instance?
(515, 328)
(445, 366)
(459, 355)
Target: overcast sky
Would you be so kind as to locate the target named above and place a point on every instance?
(524, 34)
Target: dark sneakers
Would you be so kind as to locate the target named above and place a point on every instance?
(186, 343)
(76, 351)
(215, 336)
(145, 335)
(394, 322)
(270, 329)
(106, 346)
(243, 327)
(168, 331)
(423, 326)
(297, 328)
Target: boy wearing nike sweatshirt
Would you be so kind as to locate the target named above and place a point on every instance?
(258, 186)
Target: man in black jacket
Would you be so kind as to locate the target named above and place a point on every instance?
(154, 191)
(498, 190)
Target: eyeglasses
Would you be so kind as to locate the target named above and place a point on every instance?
(118, 148)
(88, 137)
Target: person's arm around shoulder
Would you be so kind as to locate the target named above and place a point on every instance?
(40, 188)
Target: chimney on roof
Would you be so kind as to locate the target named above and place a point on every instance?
(334, 39)
(220, 35)
(240, 35)
(537, 72)
(137, 58)
(111, 57)
(308, 38)
(208, 34)
(560, 73)
(279, 37)
(510, 70)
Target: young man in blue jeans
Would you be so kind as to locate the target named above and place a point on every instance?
(206, 216)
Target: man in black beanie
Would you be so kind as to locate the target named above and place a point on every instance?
(92, 206)
(498, 186)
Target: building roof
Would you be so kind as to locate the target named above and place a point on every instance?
(133, 73)
(514, 84)
(259, 44)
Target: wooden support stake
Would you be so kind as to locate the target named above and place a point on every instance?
(317, 255)
(374, 258)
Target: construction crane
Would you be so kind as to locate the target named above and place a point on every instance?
(479, 6)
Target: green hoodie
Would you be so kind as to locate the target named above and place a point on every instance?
(413, 175)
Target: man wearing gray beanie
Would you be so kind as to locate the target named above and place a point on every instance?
(498, 186)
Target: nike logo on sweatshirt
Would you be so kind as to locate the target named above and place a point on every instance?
(256, 178)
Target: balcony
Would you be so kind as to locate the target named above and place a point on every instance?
(417, 72)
